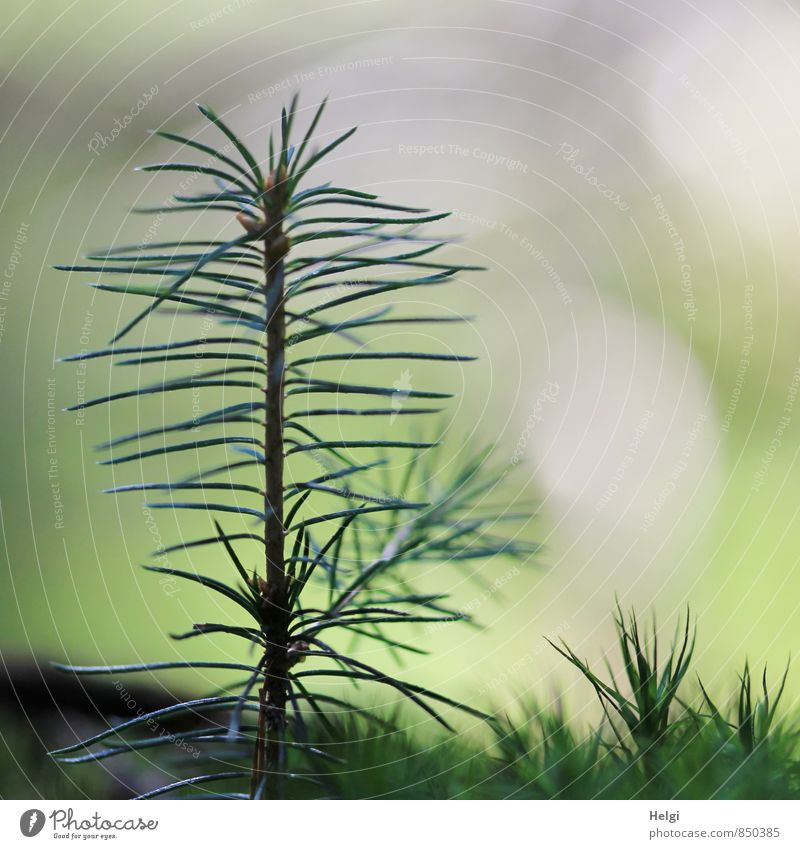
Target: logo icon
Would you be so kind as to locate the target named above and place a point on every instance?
(402, 389)
(31, 822)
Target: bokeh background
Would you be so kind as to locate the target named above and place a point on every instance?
(627, 172)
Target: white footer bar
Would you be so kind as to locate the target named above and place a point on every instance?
(410, 825)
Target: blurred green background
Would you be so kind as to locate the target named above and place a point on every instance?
(628, 175)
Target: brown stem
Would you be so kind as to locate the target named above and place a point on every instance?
(273, 429)
(268, 759)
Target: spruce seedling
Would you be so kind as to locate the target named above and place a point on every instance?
(275, 467)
